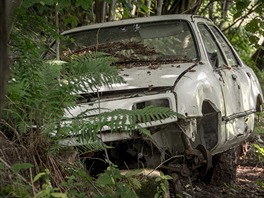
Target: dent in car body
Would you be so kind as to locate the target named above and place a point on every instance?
(218, 103)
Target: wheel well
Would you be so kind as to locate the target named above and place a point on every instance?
(208, 126)
(126, 154)
(259, 103)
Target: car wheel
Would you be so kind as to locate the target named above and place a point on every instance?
(224, 168)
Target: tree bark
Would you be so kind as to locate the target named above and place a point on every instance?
(181, 6)
(100, 7)
(159, 7)
(112, 10)
(224, 10)
(148, 4)
(211, 10)
(11, 6)
(7, 8)
(3, 53)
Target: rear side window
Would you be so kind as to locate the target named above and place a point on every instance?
(211, 46)
(231, 58)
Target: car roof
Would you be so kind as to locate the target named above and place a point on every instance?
(133, 21)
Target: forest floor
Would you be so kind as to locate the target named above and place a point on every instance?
(249, 181)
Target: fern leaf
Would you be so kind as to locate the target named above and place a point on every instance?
(122, 120)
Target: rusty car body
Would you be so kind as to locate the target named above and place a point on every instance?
(182, 62)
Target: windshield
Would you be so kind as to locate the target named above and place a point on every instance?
(160, 42)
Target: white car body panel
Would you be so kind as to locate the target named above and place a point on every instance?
(232, 94)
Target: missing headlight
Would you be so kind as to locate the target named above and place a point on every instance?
(156, 102)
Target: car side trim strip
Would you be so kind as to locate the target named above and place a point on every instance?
(238, 115)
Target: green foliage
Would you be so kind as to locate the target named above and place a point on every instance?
(92, 146)
(260, 151)
(47, 190)
(116, 184)
(89, 72)
(79, 179)
(16, 189)
(71, 16)
(117, 120)
(84, 4)
(16, 168)
(38, 94)
(163, 185)
(19, 187)
(231, 190)
(2, 167)
(241, 22)
(260, 184)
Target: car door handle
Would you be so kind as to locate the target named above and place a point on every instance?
(234, 76)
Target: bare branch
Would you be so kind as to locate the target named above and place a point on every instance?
(17, 174)
(250, 11)
(194, 8)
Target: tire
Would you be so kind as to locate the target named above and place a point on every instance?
(224, 168)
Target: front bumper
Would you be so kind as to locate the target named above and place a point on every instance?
(89, 111)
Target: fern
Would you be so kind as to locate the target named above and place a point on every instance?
(89, 72)
(119, 120)
(92, 147)
(39, 93)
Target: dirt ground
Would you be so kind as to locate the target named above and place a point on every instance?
(249, 181)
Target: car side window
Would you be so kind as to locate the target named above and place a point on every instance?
(231, 58)
(213, 51)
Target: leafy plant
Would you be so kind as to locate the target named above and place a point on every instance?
(19, 187)
(163, 185)
(38, 94)
(259, 151)
(117, 184)
(260, 184)
(47, 190)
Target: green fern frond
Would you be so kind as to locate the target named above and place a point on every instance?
(120, 120)
(92, 147)
(89, 72)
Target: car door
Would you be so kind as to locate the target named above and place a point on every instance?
(227, 70)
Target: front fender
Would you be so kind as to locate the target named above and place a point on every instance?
(194, 88)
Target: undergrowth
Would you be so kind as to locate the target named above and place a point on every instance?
(39, 92)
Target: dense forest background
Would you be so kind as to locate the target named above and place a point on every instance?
(31, 162)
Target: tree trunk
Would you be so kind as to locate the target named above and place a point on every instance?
(3, 53)
(100, 7)
(224, 10)
(11, 6)
(148, 4)
(181, 6)
(211, 11)
(159, 7)
(112, 10)
(7, 8)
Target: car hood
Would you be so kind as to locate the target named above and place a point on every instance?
(150, 76)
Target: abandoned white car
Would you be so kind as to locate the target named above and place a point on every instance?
(182, 62)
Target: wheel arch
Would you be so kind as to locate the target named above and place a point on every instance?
(209, 125)
(259, 103)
